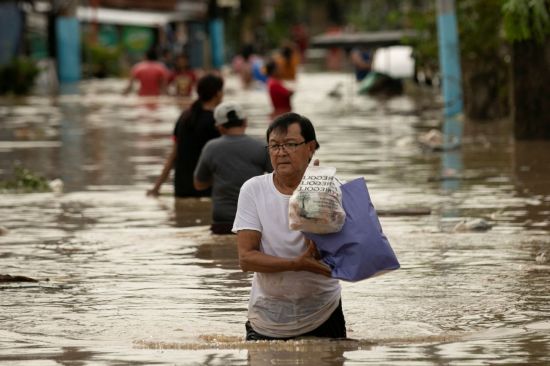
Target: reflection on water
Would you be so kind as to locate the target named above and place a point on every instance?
(129, 279)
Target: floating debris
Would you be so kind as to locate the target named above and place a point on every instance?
(56, 186)
(432, 139)
(411, 211)
(541, 257)
(10, 278)
(466, 225)
(336, 93)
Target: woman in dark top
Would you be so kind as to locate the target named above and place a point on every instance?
(194, 128)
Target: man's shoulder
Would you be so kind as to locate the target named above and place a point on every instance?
(138, 66)
(242, 140)
(254, 140)
(214, 143)
(159, 66)
(257, 182)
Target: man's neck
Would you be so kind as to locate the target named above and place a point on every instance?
(286, 184)
(235, 131)
(210, 105)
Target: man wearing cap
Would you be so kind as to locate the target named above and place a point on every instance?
(227, 162)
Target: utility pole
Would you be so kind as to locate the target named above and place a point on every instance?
(67, 38)
(449, 57)
(216, 31)
(449, 64)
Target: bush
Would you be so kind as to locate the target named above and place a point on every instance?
(25, 182)
(18, 76)
(102, 61)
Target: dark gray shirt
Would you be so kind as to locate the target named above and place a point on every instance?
(228, 162)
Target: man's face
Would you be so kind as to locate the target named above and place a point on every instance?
(290, 160)
(182, 62)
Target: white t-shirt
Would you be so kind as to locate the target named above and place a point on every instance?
(283, 304)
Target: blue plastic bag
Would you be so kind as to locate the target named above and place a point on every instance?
(360, 250)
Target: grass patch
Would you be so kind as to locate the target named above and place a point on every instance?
(25, 181)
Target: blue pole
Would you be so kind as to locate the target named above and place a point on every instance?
(449, 57)
(449, 61)
(67, 31)
(216, 42)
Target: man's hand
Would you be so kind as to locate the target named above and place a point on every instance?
(153, 192)
(309, 260)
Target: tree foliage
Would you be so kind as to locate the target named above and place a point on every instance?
(526, 19)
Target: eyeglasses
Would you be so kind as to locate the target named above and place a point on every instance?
(288, 147)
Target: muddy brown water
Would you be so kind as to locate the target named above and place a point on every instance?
(127, 279)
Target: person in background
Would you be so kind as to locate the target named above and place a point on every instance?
(227, 162)
(183, 78)
(279, 94)
(167, 59)
(292, 292)
(287, 61)
(151, 75)
(248, 65)
(300, 37)
(245, 69)
(194, 128)
(361, 60)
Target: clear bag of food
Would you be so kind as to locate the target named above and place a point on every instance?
(316, 205)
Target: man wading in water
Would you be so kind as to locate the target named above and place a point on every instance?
(292, 293)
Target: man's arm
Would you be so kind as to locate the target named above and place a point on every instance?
(128, 88)
(164, 81)
(252, 260)
(202, 176)
(168, 164)
(200, 185)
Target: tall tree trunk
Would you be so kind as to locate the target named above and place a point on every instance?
(485, 83)
(530, 94)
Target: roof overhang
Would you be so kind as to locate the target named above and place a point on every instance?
(365, 39)
(130, 17)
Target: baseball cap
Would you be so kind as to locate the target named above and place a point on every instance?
(228, 111)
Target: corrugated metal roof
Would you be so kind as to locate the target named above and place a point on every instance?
(130, 17)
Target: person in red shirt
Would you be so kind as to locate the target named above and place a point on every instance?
(280, 95)
(183, 78)
(151, 74)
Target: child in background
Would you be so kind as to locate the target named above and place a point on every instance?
(183, 78)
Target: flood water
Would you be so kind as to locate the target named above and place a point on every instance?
(128, 279)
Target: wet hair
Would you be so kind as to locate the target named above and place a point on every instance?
(270, 68)
(282, 122)
(180, 57)
(233, 120)
(207, 88)
(247, 51)
(287, 52)
(151, 55)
